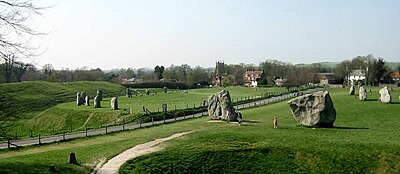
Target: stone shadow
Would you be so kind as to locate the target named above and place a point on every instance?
(251, 121)
(345, 127)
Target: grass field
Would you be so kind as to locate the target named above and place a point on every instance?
(365, 140)
(66, 116)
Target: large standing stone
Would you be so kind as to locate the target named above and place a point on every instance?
(362, 94)
(352, 90)
(314, 110)
(114, 103)
(385, 95)
(72, 158)
(128, 92)
(147, 92)
(220, 107)
(100, 94)
(78, 99)
(87, 100)
(97, 103)
(83, 96)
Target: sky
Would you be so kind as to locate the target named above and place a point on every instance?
(134, 34)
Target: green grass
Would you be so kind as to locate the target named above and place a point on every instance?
(67, 116)
(365, 140)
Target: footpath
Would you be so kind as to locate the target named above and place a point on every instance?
(131, 126)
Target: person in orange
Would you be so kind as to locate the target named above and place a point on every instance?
(275, 122)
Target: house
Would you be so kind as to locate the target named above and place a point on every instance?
(252, 77)
(356, 75)
(326, 79)
(280, 81)
(392, 77)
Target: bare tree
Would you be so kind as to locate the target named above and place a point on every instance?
(16, 31)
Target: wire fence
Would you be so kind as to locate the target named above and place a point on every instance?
(151, 119)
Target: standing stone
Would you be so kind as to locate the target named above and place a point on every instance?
(78, 98)
(314, 110)
(100, 94)
(165, 89)
(128, 92)
(114, 103)
(97, 103)
(147, 92)
(72, 158)
(362, 94)
(352, 90)
(385, 95)
(82, 98)
(87, 100)
(220, 107)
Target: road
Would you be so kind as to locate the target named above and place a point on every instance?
(131, 126)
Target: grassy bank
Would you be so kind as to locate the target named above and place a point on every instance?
(52, 108)
(365, 140)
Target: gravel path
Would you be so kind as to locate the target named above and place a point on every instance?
(112, 166)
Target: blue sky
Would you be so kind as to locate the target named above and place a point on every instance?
(126, 33)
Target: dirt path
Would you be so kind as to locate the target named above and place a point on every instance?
(87, 120)
(112, 166)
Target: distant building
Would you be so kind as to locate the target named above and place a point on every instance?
(251, 78)
(356, 75)
(392, 77)
(326, 79)
(280, 81)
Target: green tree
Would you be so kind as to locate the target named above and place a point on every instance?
(159, 71)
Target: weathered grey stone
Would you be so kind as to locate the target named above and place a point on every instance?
(78, 98)
(352, 90)
(114, 103)
(220, 107)
(100, 94)
(165, 89)
(87, 100)
(97, 103)
(314, 110)
(385, 95)
(72, 158)
(362, 94)
(147, 92)
(128, 92)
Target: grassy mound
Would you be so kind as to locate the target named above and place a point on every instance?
(363, 141)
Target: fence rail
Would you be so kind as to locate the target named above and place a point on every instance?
(130, 126)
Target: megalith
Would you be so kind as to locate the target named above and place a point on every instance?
(87, 100)
(352, 90)
(220, 107)
(100, 94)
(313, 110)
(97, 100)
(385, 95)
(128, 92)
(114, 103)
(362, 93)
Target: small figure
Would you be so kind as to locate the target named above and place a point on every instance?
(275, 122)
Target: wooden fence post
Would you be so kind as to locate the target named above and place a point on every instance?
(39, 140)
(123, 124)
(63, 135)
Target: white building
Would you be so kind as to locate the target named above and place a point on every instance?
(356, 75)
